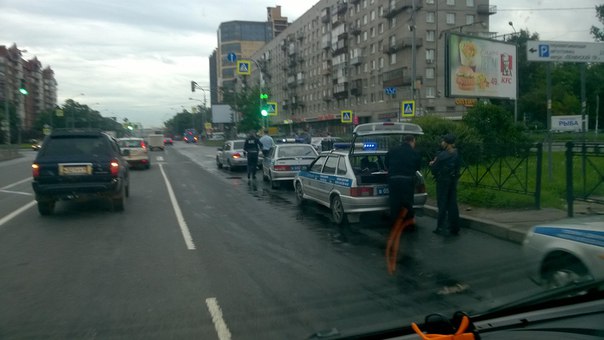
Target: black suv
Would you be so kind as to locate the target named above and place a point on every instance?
(76, 163)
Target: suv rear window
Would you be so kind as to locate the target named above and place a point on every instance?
(80, 145)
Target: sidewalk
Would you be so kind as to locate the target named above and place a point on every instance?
(512, 225)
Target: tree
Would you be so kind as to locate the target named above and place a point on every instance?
(598, 33)
(247, 102)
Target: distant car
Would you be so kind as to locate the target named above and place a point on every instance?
(138, 152)
(36, 145)
(168, 141)
(76, 164)
(231, 155)
(353, 179)
(285, 160)
(566, 252)
(216, 136)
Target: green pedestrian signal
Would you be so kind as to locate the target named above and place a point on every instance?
(264, 112)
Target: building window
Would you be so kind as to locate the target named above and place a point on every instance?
(430, 73)
(365, 36)
(430, 17)
(372, 48)
(429, 55)
(393, 59)
(372, 15)
(470, 3)
(380, 45)
(392, 22)
(469, 19)
(451, 2)
(451, 18)
(430, 2)
(429, 92)
(381, 28)
(392, 41)
(373, 64)
(430, 35)
(381, 62)
(365, 19)
(381, 10)
(364, 3)
(358, 39)
(372, 31)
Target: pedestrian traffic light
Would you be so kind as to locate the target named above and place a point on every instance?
(22, 87)
(264, 96)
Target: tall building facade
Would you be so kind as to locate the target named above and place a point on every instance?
(39, 82)
(278, 23)
(359, 55)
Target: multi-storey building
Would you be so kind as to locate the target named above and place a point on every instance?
(242, 39)
(363, 55)
(39, 83)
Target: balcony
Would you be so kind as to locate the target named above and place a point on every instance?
(342, 7)
(395, 77)
(354, 29)
(400, 7)
(325, 17)
(486, 9)
(340, 90)
(340, 46)
(406, 43)
(327, 98)
(356, 89)
(357, 60)
(326, 71)
(337, 19)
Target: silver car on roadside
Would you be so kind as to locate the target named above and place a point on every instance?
(353, 179)
(231, 155)
(566, 252)
(284, 161)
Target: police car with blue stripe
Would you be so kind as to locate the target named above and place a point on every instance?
(566, 252)
(352, 179)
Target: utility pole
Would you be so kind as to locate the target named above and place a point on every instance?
(413, 50)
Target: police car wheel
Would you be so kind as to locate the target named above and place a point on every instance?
(337, 210)
(218, 164)
(299, 194)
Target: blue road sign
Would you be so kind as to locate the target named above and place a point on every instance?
(232, 57)
(244, 67)
(346, 116)
(408, 108)
(390, 90)
(544, 51)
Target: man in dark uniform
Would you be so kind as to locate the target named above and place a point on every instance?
(446, 167)
(402, 162)
(252, 147)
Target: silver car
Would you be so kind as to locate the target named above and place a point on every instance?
(566, 252)
(231, 155)
(284, 161)
(354, 180)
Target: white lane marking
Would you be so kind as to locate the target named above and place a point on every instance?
(16, 183)
(17, 192)
(160, 158)
(184, 229)
(14, 214)
(219, 324)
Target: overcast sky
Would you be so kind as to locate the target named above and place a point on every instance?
(135, 58)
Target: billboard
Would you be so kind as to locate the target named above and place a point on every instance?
(479, 68)
(567, 123)
(222, 114)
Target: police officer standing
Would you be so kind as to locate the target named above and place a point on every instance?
(252, 147)
(446, 167)
(402, 162)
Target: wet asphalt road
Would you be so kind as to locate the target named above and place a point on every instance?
(201, 253)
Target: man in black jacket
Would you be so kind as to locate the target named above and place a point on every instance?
(252, 147)
(446, 167)
(402, 162)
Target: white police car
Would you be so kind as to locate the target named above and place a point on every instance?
(352, 178)
(566, 252)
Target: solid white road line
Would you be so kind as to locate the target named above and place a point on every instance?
(14, 214)
(219, 324)
(186, 234)
(17, 192)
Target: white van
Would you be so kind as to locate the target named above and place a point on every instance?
(155, 142)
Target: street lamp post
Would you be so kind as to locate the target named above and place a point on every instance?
(516, 80)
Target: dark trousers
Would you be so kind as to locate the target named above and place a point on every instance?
(402, 189)
(265, 152)
(446, 199)
(252, 164)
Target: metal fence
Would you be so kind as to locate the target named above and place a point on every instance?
(584, 173)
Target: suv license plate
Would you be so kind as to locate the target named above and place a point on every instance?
(383, 191)
(74, 170)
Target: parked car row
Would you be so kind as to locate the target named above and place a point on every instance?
(349, 178)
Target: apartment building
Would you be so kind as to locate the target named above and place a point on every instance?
(39, 82)
(358, 55)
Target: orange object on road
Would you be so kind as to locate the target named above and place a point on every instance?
(395, 238)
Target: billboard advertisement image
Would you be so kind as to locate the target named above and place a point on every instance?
(478, 67)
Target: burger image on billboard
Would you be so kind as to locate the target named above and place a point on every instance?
(467, 53)
(465, 78)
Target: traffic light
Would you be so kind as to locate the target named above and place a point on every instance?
(263, 105)
(22, 88)
(264, 96)
(193, 84)
(264, 111)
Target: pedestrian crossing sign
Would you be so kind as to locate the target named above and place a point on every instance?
(272, 108)
(408, 109)
(244, 67)
(346, 116)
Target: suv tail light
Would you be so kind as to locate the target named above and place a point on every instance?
(361, 192)
(35, 169)
(236, 155)
(143, 145)
(114, 166)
